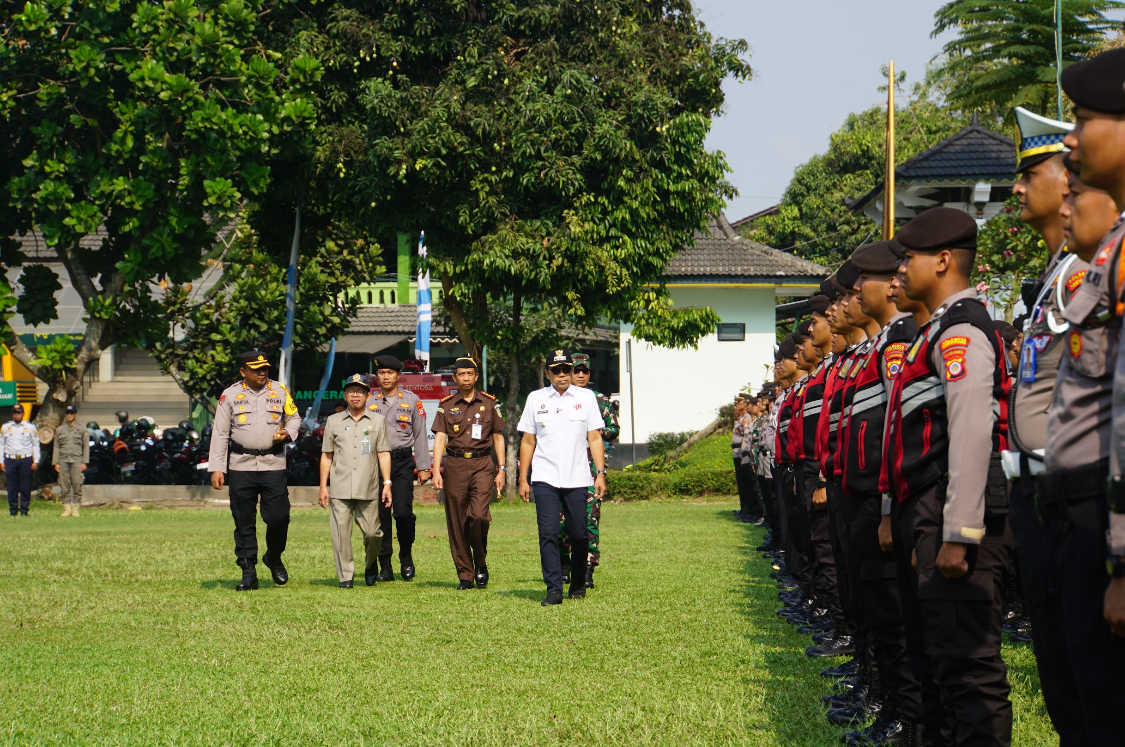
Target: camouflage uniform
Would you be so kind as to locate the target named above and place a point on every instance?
(593, 505)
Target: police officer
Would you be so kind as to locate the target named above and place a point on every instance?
(468, 432)
(737, 436)
(19, 441)
(406, 422)
(356, 453)
(70, 456)
(254, 419)
(946, 428)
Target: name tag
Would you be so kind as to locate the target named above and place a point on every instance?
(1027, 362)
(476, 433)
(365, 447)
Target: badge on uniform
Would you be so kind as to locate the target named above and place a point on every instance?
(892, 357)
(456, 428)
(913, 352)
(476, 432)
(242, 418)
(365, 447)
(1075, 343)
(953, 352)
(1028, 361)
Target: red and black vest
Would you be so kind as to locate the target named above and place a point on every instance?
(784, 419)
(919, 440)
(867, 406)
(828, 427)
(812, 400)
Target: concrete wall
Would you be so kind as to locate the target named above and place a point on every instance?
(679, 390)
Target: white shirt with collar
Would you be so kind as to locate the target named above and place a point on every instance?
(20, 438)
(560, 424)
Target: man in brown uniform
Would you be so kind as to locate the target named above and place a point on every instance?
(406, 422)
(254, 419)
(70, 456)
(468, 431)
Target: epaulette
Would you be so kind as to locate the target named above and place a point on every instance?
(449, 396)
(486, 394)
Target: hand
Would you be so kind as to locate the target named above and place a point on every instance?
(439, 482)
(387, 495)
(886, 540)
(820, 497)
(599, 486)
(281, 435)
(525, 489)
(1115, 606)
(34, 466)
(423, 476)
(501, 480)
(323, 497)
(217, 479)
(82, 468)
(2, 467)
(951, 560)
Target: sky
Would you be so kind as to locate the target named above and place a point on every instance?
(815, 61)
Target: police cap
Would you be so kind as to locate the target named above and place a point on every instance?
(558, 357)
(819, 304)
(356, 379)
(17, 407)
(388, 361)
(1098, 83)
(71, 410)
(936, 229)
(464, 362)
(876, 258)
(253, 359)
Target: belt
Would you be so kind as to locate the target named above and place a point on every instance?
(469, 454)
(405, 451)
(17, 456)
(1069, 486)
(237, 448)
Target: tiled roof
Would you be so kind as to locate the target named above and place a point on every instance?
(721, 252)
(402, 319)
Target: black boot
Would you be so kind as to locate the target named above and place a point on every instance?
(406, 565)
(590, 575)
(481, 576)
(249, 576)
(277, 570)
(386, 573)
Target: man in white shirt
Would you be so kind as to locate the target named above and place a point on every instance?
(559, 423)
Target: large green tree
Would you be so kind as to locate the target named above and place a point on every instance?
(154, 121)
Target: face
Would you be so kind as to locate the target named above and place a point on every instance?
(71, 417)
(1087, 215)
(1095, 144)
(918, 271)
(255, 377)
(821, 332)
(872, 294)
(355, 396)
(808, 355)
(739, 408)
(388, 378)
(466, 378)
(17, 416)
(852, 311)
(787, 368)
(1041, 189)
(560, 376)
(581, 376)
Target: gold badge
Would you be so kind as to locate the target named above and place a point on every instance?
(482, 408)
(242, 418)
(456, 428)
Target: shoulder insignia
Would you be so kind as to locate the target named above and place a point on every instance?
(1075, 280)
(1075, 343)
(222, 398)
(421, 409)
(1103, 255)
(486, 394)
(954, 356)
(892, 358)
(441, 409)
(954, 342)
(448, 397)
(373, 407)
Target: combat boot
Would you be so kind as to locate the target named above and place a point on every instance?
(590, 575)
(386, 572)
(249, 576)
(74, 510)
(67, 510)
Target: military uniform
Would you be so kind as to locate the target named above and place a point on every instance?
(71, 452)
(20, 445)
(243, 446)
(469, 475)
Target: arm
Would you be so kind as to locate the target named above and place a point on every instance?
(439, 454)
(498, 447)
(85, 449)
(383, 455)
(55, 450)
(597, 452)
(385, 471)
(325, 470)
(421, 446)
(612, 426)
(290, 423)
(220, 438)
(527, 449)
(35, 450)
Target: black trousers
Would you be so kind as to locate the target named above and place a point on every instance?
(962, 618)
(1043, 608)
(839, 536)
(245, 490)
(18, 475)
(1077, 535)
(769, 506)
(825, 583)
(740, 482)
(793, 529)
(549, 500)
(747, 490)
(401, 509)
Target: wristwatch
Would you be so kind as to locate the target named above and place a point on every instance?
(1115, 567)
(601, 472)
(503, 468)
(386, 482)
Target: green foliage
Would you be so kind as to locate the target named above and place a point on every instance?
(635, 485)
(726, 417)
(1004, 54)
(37, 302)
(661, 443)
(56, 358)
(1008, 250)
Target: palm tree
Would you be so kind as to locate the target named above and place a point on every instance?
(1004, 54)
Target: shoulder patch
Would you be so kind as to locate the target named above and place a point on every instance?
(954, 358)
(222, 398)
(954, 342)
(448, 397)
(1075, 280)
(892, 358)
(486, 394)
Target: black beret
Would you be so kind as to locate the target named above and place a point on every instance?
(936, 229)
(847, 275)
(1097, 83)
(788, 348)
(804, 329)
(464, 362)
(828, 288)
(819, 304)
(1008, 332)
(1018, 322)
(876, 258)
(356, 379)
(388, 361)
(253, 359)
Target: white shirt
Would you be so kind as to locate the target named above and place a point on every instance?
(20, 438)
(560, 424)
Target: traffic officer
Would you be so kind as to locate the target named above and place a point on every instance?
(19, 441)
(947, 421)
(254, 419)
(469, 441)
(356, 451)
(1042, 187)
(406, 421)
(70, 456)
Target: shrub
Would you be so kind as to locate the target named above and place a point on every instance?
(694, 482)
(702, 481)
(635, 486)
(726, 417)
(661, 443)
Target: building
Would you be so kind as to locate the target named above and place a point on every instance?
(681, 390)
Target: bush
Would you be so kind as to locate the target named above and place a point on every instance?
(661, 443)
(726, 417)
(702, 481)
(642, 486)
(635, 486)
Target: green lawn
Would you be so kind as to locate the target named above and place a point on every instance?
(121, 628)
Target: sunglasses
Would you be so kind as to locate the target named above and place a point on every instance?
(561, 369)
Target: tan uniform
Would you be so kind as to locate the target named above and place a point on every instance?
(71, 451)
(410, 450)
(355, 484)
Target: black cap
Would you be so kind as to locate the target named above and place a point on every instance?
(253, 359)
(1097, 83)
(388, 361)
(1008, 332)
(745, 397)
(936, 229)
(787, 348)
(819, 304)
(1018, 322)
(71, 410)
(464, 362)
(847, 275)
(17, 407)
(876, 258)
(356, 380)
(558, 357)
(804, 329)
(828, 288)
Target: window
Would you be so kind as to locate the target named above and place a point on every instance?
(382, 299)
(731, 332)
(392, 296)
(369, 297)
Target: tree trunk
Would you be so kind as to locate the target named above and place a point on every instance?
(511, 416)
(457, 315)
(676, 452)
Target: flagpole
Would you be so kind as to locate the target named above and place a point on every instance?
(889, 166)
(1058, 59)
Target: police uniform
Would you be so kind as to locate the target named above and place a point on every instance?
(469, 474)
(947, 424)
(243, 446)
(20, 444)
(406, 422)
(785, 480)
(71, 451)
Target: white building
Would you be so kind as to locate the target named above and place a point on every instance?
(681, 390)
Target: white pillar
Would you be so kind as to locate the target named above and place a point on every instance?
(105, 364)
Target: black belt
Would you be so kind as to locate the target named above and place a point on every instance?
(1069, 487)
(405, 451)
(469, 453)
(237, 448)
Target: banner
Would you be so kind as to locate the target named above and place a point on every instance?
(425, 308)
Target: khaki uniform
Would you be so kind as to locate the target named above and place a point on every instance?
(406, 424)
(469, 474)
(354, 484)
(72, 450)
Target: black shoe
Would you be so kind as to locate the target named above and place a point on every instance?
(348, 584)
(590, 575)
(277, 570)
(847, 669)
(406, 566)
(1019, 637)
(842, 700)
(386, 573)
(566, 573)
(579, 593)
(821, 626)
(465, 585)
(837, 645)
(482, 577)
(553, 597)
(887, 729)
(856, 712)
(371, 574)
(820, 636)
(249, 580)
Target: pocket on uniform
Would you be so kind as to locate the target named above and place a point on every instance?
(242, 418)
(1092, 350)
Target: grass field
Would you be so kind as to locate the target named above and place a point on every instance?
(121, 628)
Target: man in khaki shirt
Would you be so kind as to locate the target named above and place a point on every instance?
(70, 456)
(354, 442)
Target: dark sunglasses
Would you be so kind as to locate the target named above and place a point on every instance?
(562, 369)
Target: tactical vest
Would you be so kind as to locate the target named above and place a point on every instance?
(784, 418)
(812, 400)
(919, 440)
(828, 427)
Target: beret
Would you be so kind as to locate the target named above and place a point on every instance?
(787, 348)
(875, 257)
(828, 288)
(936, 229)
(1018, 322)
(388, 361)
(1097, 83)
(804, 329)
(819, 304)
(847, 275)
(1008, 332)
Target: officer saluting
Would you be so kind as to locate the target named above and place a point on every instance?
(406, 421)
(19, 441)
(254, 419)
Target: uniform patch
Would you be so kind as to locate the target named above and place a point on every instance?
(892, 358)
(844, 368)
(242, 418)
(373, 407)
(1041, 342)
(404, 418)
(1103, 255)
(222, 398)
(421, 410)
(1075, 280)
(954, 342)
(954, 367)
(441, 409)
(913, 352)
(456, 428)
(1075, 343)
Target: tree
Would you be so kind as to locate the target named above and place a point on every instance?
(553, 151)
(152, 121)
(1005, 56)
(1008, 250)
